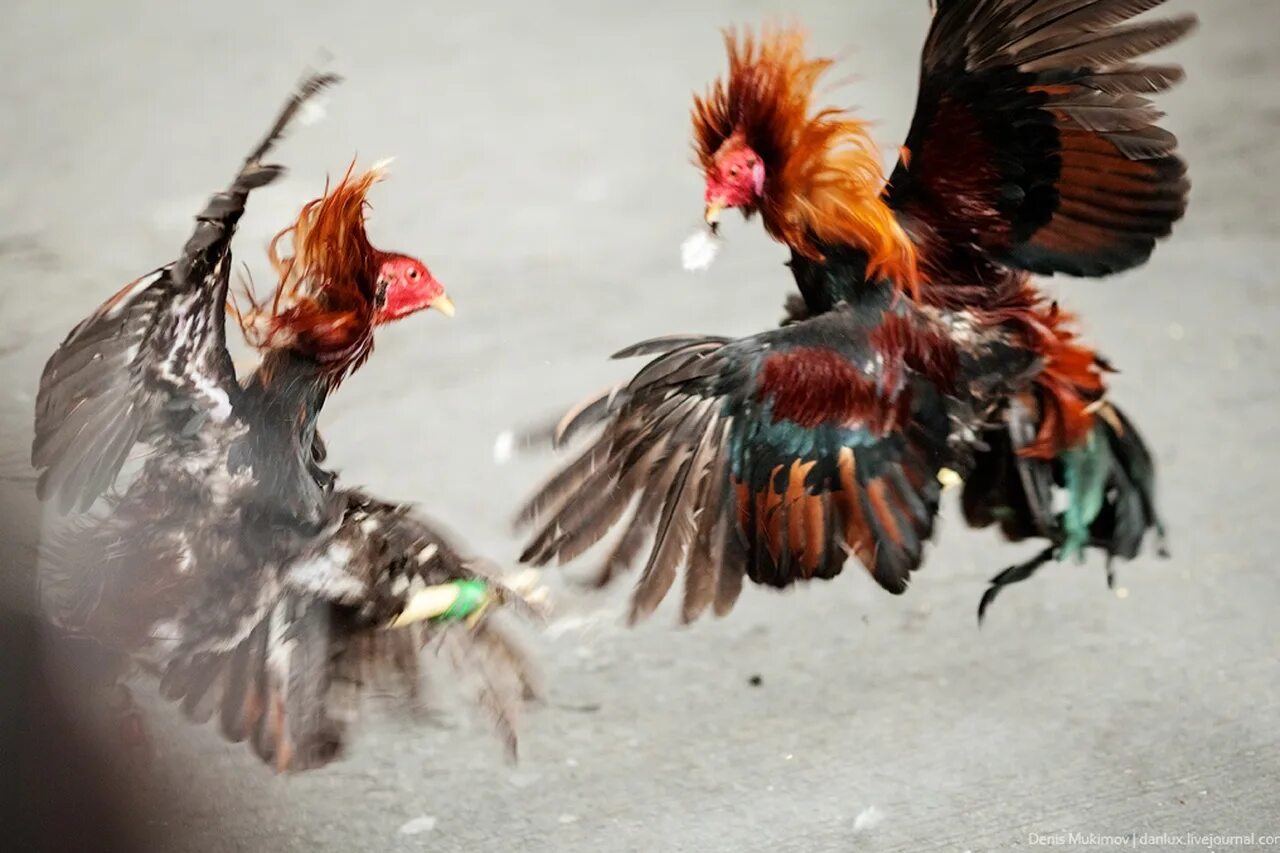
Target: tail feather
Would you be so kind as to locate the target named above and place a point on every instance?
(1135, 463)
(1107, 481)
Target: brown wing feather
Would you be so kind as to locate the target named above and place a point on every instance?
(1033, 141)
(720, 498)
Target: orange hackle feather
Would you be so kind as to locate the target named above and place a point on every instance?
(824, 176)
(1070, 379)
(324, 300)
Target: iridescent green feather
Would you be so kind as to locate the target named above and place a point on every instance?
(1085, 473)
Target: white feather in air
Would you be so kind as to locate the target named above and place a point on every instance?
(504, 447)
(699, 250)
(868, 819)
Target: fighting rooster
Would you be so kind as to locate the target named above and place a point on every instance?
(919, 346)
(232, 564)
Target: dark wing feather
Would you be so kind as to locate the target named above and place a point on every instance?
(772, 457)
(1034, 145)
(153, 355)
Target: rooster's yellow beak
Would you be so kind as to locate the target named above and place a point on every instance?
(444, 305)
(712, 213)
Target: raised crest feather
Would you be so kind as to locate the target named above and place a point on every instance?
(326, 278)
(823, 172)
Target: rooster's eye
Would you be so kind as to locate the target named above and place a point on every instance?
(413, 275)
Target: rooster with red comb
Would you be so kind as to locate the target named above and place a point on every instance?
(232, 564)
(919, 348)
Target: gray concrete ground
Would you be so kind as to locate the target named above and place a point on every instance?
(544, 173)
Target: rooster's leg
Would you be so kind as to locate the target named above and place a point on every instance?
(1012, 575)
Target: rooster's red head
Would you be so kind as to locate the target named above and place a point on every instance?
(334, 286)
(406, 286)
(734, 179)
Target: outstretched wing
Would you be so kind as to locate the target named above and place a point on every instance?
(1034, 145)
(772, 457)
(287, 677)
(153, 357)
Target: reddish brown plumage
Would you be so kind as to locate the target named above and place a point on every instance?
(1070, 381)
(810, 386)
(324, 302)
(805, 517)
(970, 194)
(769, 501)
(805, 531)
(857, 532)
(878, 496)
(926, 349)
(1104, 196)
(793, 505)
